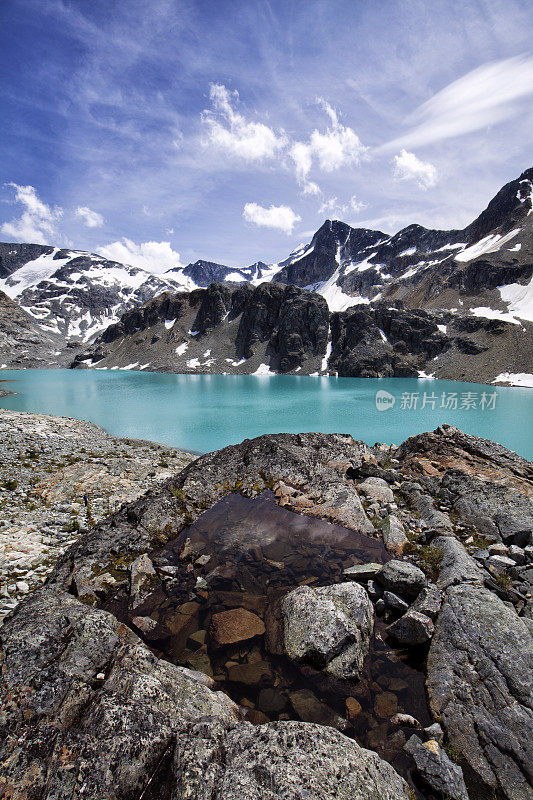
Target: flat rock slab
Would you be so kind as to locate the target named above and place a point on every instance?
(328, 628)
(289, 760)
(479, 683)
(235, 625)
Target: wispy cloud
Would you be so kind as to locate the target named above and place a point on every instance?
(483, 97)
(281, 218)
(90, 218)
(333, 206)
(154, 257)
(407, 167)
(232, 132)
(37, 223)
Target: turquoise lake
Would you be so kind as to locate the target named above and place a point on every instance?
(206, 412)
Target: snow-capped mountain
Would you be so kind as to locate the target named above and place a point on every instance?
(483, 271)
(487, 266)
(73, 293)
(202, 273)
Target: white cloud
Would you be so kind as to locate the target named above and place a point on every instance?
(407, 167)
(282, 218)
(230, 131)
(37, 223)
(333, 206)
(338, 147)
(90, 218)
(154, 257)
(481, 98)
(312, 188)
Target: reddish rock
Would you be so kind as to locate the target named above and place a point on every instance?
(236, 625)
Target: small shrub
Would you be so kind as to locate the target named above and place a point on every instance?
(10, 485)
(503, 580)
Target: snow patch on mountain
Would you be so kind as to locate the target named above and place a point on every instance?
(519, 298)
(489, 244)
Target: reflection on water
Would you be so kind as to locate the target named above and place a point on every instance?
(247, 554)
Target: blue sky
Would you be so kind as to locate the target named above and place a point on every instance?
(166, 131)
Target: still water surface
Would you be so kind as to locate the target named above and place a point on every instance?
(206, 412)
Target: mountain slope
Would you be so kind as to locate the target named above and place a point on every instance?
(22, 343)
(72, 293)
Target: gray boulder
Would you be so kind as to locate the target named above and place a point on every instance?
(394, 537)
(402, 577)
(289, 760)
(328, 627)
(439, 771)
(428, 601)
(457, 566)
(412, 628)
(376, 490)
(479, 683)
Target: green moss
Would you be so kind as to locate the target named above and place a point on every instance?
(430, 561)
(452, 752)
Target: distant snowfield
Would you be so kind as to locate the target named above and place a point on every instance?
(490, 244)
(520, 299)
(515, 379)
(31, 273)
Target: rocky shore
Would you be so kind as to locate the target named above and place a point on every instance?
(266, 623)
(47, 465)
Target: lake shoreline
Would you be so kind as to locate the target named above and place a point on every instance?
(528, 385)
(203, 413)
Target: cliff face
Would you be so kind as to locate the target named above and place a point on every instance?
(284, 329)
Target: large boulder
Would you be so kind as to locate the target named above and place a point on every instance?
(402, 577)
(329, 627)
(289, 760)
(88, 711)
(479, 682)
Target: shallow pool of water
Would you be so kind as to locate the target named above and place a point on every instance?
(248, 553)
(205, 412)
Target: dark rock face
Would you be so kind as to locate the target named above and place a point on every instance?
(166, 306)
(293, 322)
(333, 240)
(479, 683)
(14, 255)
(382, 341)
(302, 328)
(215, 304)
